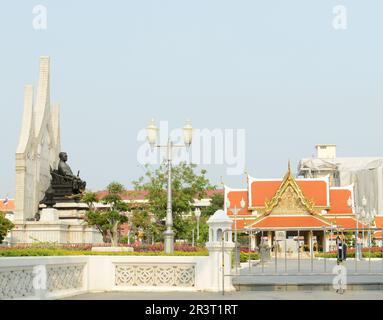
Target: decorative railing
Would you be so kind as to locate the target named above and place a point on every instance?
(16, 283)
(23, 282)
(65, 277)
(158, 275)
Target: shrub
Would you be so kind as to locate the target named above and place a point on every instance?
(158, 247)
(34, 252)
(5, 226)
(244, 256)
(365, 254)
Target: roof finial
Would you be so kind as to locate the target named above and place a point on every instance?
(289, 166)
(222, 183)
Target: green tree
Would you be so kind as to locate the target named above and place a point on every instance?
(216, 203)
(144, 220)
(187, 185)
(108, 221)
(90, 198)
(5, 226)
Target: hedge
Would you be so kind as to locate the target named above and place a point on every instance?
(349, 255)
(158, 247)
(32, 252)
(244, 256)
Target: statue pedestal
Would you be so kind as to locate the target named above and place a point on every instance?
(59, 232)
(49, 215)
(62, 224)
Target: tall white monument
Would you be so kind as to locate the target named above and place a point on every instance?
(39, 146)
(37, 152)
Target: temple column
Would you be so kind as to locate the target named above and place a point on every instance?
(310, 240)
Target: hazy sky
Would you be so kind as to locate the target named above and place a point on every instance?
(277, 69)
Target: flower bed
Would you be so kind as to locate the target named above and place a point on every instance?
(53, 249)
(365, 254)
(159, 247)
(32, 252)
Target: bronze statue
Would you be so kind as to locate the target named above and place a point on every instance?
(63, 168)
(65, 171)
(64, 186)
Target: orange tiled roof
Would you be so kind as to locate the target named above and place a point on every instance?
(9, 207)
(242, 223)
(315, 190)
(338, 201)
(379, 221)
(235, 197)
(262, 190)
(129, 195)
(141, 195)
(295, 222)
(346, 222)
(210, 193)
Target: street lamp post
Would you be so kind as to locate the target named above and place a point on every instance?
(235, 212)
(197, 213)
(359, 214)
(130, 227)
(152, 132)
(351, 204)
(373, 215)
(366, 217)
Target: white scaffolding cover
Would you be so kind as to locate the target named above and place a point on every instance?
(365, 173)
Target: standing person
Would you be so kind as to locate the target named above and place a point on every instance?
(339, 247)
(341, 256)
(359, 248)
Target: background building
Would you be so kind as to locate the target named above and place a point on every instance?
(139, 198)
(365, 173)
(8, 207)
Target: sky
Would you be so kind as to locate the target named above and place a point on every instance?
(279, 70)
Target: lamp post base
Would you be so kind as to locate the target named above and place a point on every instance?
(169, 242)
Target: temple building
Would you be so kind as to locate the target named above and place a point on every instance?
(308, 208)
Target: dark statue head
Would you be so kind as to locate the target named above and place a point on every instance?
(63, 156)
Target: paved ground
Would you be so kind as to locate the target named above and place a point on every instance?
(247, 295)
(312, 286)
(318, 271)
(316, 266)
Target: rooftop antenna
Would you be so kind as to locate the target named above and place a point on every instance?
(222, 183)
(246, 175)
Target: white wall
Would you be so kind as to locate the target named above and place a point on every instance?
(71, 275)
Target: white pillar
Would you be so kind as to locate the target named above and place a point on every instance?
(220, 251)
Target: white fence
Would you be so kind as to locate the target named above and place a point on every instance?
(58, 277)
(43, 277)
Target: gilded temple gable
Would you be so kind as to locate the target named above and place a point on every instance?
(289, 198)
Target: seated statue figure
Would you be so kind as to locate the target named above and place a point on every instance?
(65, 170)
(64, 186)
